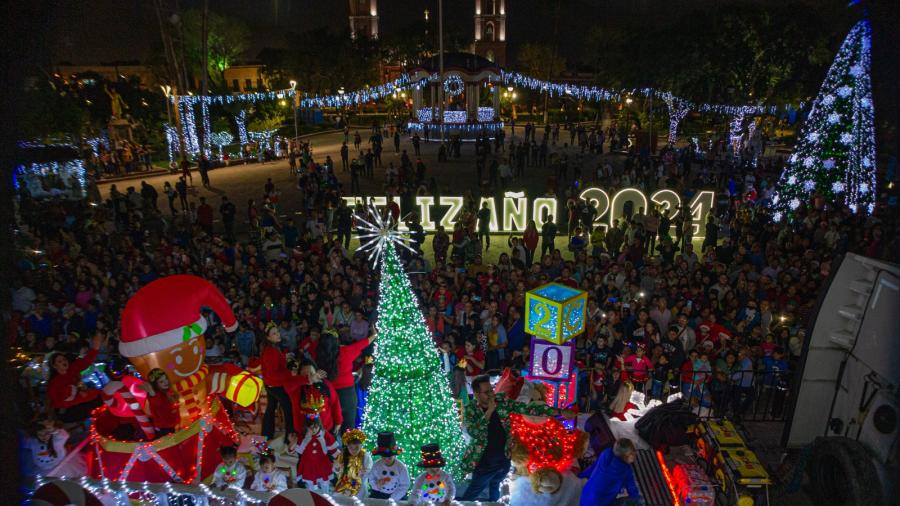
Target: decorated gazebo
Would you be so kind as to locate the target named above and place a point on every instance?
(464, 78)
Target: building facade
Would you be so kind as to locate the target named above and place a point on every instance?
(364, 18)
(490, 30)
(113, 72)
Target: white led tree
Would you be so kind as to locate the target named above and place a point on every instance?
(835, 153)
(410, 395)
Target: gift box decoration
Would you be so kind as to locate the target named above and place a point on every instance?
(555, 312)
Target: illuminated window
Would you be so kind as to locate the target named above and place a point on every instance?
(490, 58)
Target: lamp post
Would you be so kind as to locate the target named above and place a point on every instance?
(294, 98)
(167, 91)
(341, 93)
(441, 64)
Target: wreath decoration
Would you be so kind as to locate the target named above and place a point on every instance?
(454, 86)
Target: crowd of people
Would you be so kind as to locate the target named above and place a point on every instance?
(722, 323)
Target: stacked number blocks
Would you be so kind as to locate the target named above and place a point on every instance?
(554, 315)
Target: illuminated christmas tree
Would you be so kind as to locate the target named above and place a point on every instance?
(410, 395)
(835, 155)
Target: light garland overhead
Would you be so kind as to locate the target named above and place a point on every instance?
(835, 155)
(596, 94)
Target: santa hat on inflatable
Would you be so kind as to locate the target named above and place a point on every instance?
(166, 313)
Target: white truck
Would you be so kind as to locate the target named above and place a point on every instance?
(847, 403)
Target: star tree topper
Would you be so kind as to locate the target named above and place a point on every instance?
(377, 232)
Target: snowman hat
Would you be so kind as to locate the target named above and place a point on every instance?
(431, 456)
(166, 313)
(387, 445)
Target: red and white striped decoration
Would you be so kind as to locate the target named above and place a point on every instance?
(126, 399)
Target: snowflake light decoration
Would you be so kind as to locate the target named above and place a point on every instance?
(377, 232)
(809, 185)
(837, 187)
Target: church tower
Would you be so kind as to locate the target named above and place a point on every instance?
(490, 30)
(364, 18)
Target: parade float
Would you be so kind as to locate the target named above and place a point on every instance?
(162, 328)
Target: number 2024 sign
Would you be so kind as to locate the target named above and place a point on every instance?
(550, 361)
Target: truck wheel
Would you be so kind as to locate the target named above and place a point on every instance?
(841, 473)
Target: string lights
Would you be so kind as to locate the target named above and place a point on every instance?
(241, 120)
(189, 128)
(550, 444)
(173, 141)
(678, 109)
(207, 131)
(454, 85)
(735, 129)
(221, 139)
(409, 394)
(596, 94)
(835, 155)
(467, 128)
(486, 114)
(61, 177)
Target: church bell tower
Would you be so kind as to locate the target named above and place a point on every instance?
(490, 30)
(364, 18)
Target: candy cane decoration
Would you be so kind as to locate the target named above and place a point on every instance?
(126, 399)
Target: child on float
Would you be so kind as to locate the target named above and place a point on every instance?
(352, 464)
(434, 485)
(317, 448)
(162, 402)
(388, 478)
(47, 444)
(269, 478)
(230, 472)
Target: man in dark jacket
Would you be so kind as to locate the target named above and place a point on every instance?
(608, 475)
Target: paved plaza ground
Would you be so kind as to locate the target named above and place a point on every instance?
(454, 177)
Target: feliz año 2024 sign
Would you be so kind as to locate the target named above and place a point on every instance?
(513, 213)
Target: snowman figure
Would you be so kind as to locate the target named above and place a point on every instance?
(433, 485)
(388, 478)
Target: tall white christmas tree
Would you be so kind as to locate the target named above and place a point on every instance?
(835, 154)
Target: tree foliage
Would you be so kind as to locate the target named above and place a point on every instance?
(720, 51)
(539, 61)
(227, 39)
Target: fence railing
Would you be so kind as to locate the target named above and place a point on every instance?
(765, 398)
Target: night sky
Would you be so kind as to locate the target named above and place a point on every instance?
(110, 30)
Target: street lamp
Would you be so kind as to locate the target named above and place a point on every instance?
(341, 93)
(167, 91)
(294, 97)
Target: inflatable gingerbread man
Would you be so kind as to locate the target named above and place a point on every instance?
(162, 328)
